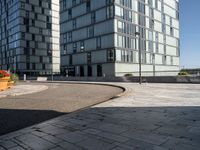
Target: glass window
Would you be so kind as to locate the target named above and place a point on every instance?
(120, 26)
(171, 31)
(93, 17)
(98, 42)
(110, 12)
(90, 31)
(118, 55)
(69, 37)
(69, 13)
(156, 4)
(73, 2)
(74, 24)
(111, 55)
(89, 57)
(82, 45)
(74, 47)
(88, 6)
(119, 41)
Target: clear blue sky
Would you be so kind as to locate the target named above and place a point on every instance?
(190, 33)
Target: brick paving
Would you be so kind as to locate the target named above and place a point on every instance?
(149, 117)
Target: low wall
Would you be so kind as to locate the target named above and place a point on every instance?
(168, 79)
(159, 79)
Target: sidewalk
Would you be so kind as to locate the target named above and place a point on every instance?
(151, 116)
(22, 90)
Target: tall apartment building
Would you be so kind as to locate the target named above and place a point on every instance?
(29, 36)
(105, 37)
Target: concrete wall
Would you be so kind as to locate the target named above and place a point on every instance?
(159, 79)
(163, 79)
(147, 70)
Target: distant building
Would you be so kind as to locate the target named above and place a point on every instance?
(103, 37)
(29, 36)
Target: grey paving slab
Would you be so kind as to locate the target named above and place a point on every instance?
(17, 148)
(57, 148)
(106, 140)
(114, 128)
(35, 142)
(53, 130)
(173, 142)
(96, 144)
(159, 148)
(39, 133)
(69, 146)
(8, 144)
(72, 137)
(115, 137)
(195, 130)
(148, 137)
(139, 144)
(180, 146)
(52, 139)
(20, 144)
(122, 146)
(92, 131)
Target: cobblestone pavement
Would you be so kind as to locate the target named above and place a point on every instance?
(149, 117)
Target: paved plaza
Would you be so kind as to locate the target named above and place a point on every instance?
(50, 101)
(149, 117)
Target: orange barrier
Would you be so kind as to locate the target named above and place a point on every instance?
(4, 83)
(10, 84)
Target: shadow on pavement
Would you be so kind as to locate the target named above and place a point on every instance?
(133, 127)
(15, 119)
(153, 128)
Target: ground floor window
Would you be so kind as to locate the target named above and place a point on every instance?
(99, 71)
(111, 55)
(70, 71)
(89, 71)
(82, 71)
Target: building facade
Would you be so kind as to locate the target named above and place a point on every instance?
(29, 36)
(105, 37)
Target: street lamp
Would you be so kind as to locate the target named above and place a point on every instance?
(15, 64)
(154, 67)
(51, 53)
(137, 34)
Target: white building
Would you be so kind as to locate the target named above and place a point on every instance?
(98, 37)
(29, 36)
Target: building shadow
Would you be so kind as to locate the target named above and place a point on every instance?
(135, 127)
(15, 119)
(173, 127)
